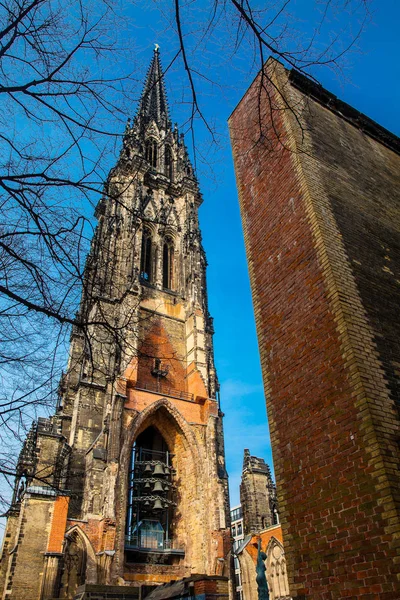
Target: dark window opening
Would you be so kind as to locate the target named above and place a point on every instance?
(146, 256)
(151, 153)
(150, 496)
(168, 162)
(168, 258)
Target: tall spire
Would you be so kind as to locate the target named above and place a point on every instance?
(153, 102)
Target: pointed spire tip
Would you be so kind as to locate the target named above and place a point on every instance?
(153, 102)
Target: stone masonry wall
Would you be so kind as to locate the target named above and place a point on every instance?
(333, 423)
(29, 545)
(254, 494)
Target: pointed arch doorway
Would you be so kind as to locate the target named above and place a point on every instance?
(150, 495)
(79, 563)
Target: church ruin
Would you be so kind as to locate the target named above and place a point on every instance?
(125, 487)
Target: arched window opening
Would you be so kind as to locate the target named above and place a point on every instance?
(168, 162)
(150, 496)
(146, 256)
(275, 515)
(151, 152)
(168, 263)
(74, 567)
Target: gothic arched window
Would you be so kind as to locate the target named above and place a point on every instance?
(276, 570)
(150, 495)
(168, 170)
(146, 256)
(75, 563)
(275, 514)
(151, 152)
(168, 263)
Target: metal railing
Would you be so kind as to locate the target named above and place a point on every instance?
(159, 388)
(151, 544)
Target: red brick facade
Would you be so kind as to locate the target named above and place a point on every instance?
(334, 425)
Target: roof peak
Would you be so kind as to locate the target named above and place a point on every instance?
(153, 103)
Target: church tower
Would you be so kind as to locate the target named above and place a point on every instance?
(126, 484)
(257, 495)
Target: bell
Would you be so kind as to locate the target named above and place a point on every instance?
(158, 487)
(147, 485)
(147, 468)
(166, 470)
(147, 503)
(158, 469)
(157, 504)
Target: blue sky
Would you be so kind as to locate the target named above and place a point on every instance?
(369, 80)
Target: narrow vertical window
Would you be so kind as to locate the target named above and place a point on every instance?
(168, 254)
(151, 152)
(146, 256)
(168, 162)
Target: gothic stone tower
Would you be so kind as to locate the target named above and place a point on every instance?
(126, 484)
(257, 495)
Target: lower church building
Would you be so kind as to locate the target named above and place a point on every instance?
(124, 488)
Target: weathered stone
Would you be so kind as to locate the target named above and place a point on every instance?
(257, 495)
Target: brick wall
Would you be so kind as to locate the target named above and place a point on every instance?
(163, 338)
(323, 337)
(58, 524)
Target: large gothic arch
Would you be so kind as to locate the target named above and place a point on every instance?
(144, 419)
(189, 461)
